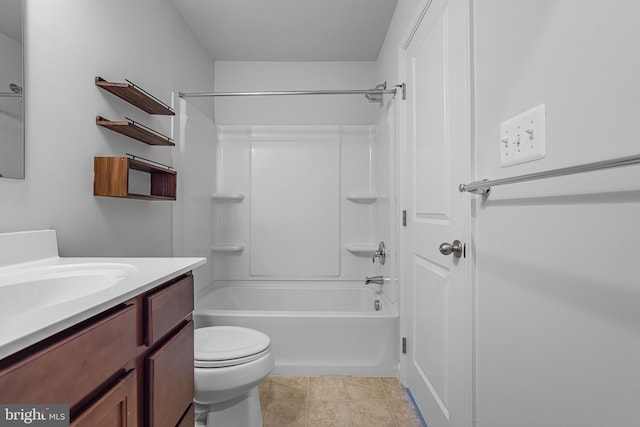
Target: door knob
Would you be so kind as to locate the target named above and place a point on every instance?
(456, 248)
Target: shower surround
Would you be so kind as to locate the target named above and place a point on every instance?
(287, 206)
(294, 221)
(302, 195)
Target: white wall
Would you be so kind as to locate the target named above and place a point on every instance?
(11, 111)
(557, 281)
(237, 76)
(67, 44)
(557, 325)
(403, 21)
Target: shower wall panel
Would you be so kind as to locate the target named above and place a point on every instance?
(387, 208)
(295, 211)
(231, 218)
(293, 220)
(192, 217)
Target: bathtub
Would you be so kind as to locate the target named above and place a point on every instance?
(315, 328)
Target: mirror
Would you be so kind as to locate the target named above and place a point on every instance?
(11, 92)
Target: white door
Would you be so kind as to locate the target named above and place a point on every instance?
(437, 296)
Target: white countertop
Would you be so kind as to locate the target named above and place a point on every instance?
(21, 330)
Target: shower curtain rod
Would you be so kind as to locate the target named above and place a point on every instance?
(291, 92)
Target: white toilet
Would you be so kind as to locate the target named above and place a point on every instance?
(230, 362)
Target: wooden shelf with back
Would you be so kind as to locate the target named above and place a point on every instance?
(111, 179)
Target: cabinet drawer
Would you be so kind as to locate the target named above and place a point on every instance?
(170, 379)
(166, 308)
(71, 368)
(117, 407)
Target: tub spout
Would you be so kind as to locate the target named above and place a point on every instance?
(378, 280)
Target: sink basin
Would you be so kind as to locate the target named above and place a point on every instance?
(31, 289)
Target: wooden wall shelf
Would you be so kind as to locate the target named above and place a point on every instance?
(135, 96)
(111, 179)
(135, 130)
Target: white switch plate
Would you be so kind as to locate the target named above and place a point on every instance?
(522, 138)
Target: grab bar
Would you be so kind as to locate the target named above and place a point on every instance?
(484, 187)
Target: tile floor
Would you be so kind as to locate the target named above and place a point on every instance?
(289, 401)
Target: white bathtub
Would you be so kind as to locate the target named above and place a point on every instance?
(315, 328)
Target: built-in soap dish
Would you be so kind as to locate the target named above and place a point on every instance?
(363, 250)
(362, 198)
(228, 197)
(229, 249)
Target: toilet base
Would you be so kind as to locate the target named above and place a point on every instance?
(242, 411)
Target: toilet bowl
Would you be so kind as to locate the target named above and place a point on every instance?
(229, 363)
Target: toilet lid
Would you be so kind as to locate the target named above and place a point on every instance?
(219, 346)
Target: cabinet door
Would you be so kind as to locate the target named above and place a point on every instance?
(170, 379)
(116, 408)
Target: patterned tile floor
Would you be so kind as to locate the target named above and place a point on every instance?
(289, 401)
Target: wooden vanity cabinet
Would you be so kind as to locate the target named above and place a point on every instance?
(131, 365)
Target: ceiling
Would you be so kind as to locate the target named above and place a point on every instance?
(289, 30)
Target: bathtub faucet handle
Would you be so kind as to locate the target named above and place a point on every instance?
(378, 280)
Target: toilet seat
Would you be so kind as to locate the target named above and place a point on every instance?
(224, 346)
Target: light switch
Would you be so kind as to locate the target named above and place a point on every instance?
(522, 138)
